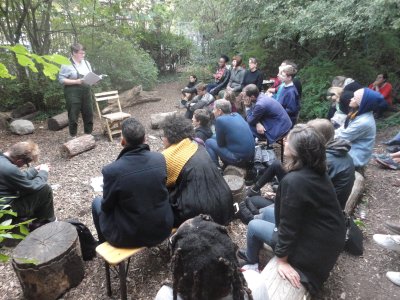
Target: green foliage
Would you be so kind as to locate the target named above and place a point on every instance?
(316, 78)
(202, 72)
(125, 64)
(8, 230)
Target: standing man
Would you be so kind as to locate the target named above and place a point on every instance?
(233, 142)
(266, 117)
(134, 210)
(78, 96)
(26, 191)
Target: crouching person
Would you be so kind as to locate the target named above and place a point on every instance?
(27, 192)
(134, 210)
(195, 184)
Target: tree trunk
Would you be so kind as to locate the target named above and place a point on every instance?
(58, 122)
(49, 261)
(356, 192)
(77, 146)
(157, 119)
(236, 185)
(132, 97)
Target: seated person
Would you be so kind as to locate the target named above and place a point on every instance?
(341, 100)
(189, 91)
(236, 79)
(276, 89)
(201, 124)
(202, 100)
(231, 97)
(195, 184)
(233, 142)
(253, 75)
(382, 86)
(204, 265)
(359, 128)
(306, 227)
(289, 96)
(27, 192)
(340, 165)
(266, 117)
(134, 210)
(221, 77)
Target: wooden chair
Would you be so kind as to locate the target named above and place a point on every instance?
(112, 121)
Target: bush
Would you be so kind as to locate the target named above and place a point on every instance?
(316, 78)
(126, 65)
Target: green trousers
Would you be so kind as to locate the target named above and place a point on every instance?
(79, 100)
(37, 204)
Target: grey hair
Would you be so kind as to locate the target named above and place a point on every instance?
(223, 105)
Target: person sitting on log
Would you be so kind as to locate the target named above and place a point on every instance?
(221, 77)
(340, 165)
(204, 266)
(382, 86)
(27, 191)
(134, 210)
(236, 80)
(202, 100)
(189, 91)
(195, 184)
(201, 124)
(359, 128)
(233, 142)
(306, 226)
(266, 117)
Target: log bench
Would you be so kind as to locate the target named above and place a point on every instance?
(114, 256)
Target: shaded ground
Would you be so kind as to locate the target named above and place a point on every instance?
(352, 278)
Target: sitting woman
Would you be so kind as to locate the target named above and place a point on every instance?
(204, 266)
(201, 124)
(306, 228)
(195, 184)
(359, 128)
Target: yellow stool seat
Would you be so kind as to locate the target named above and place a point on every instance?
(114, 255)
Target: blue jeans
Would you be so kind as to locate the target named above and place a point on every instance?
(224, 154)
(96, 211)
(260, 232)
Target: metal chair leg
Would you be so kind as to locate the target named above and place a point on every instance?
(122, 280)
(108, 279)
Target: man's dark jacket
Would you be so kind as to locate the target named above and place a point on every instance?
(135, 206)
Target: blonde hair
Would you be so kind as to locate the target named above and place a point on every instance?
(27, 151)
(324, 127)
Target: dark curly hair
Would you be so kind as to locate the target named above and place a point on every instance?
(204, 263)
(177, 128)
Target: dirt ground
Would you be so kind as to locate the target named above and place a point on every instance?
(352, 278)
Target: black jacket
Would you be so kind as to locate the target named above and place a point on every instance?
(135, 206)
(203, 133)
(340, 169)
(201, 189)
(222, 83)
(311, 229)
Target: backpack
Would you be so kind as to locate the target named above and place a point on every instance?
(86, 239)
(354, 237)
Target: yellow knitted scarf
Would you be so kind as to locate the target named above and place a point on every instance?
(177, 156)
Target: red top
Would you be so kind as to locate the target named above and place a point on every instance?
(385, 90)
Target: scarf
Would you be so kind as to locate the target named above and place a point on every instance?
(176, 156)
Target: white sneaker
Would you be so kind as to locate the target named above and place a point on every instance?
(394, 277)
(391, 242)
(250, 267)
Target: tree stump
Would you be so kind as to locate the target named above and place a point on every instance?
(49, 261)
(23, 110)
(76, 146)
(279, 288)
(232, 170)
(58, 122)
(356, 192)
(236, 185)
(157, 119)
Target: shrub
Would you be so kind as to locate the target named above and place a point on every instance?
(316, 78)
